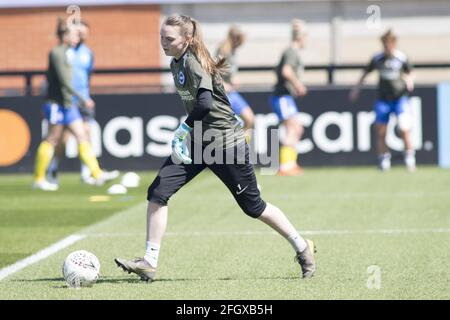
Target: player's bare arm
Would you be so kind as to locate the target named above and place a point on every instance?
(289, 74)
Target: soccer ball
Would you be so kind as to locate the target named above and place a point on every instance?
(81, 269)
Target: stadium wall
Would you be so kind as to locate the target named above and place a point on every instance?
(120, 36)
(127, 36)
(338, 32)
(134, 131)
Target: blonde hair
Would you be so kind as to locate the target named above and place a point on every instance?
(226, 47)
(389, 35)
(298, 28)
(191, 28)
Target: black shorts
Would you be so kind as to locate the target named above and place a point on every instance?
(239, 177)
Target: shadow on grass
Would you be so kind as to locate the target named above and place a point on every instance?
(113, 280)
(101, 280)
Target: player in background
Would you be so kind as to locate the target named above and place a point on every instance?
(289, 86)
(396, 79)
(81, 59)
(227, 50)
(198, 81)
(60, 112)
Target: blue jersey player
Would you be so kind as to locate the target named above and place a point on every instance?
(82, 61)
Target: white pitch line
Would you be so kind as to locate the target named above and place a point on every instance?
(69, 240)
(256, 233)
(40, 255)
(377, 231)
(19, 265)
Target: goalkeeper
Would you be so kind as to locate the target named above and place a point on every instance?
(198, 81)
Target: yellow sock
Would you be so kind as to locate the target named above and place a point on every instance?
(293, 155)
(283, 155)
(89, 159)
(248, 136)
(43, 157)
(288, 154)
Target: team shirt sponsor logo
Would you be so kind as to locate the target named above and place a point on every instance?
(185, 95)
(181, 78)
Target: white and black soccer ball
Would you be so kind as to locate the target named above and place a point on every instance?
(81, 269)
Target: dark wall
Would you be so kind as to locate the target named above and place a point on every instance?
(136, 129)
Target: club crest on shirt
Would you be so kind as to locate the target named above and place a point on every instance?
(181, 78)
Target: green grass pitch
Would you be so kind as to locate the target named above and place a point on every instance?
(379, 236)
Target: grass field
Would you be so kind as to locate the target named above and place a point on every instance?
(359, 218)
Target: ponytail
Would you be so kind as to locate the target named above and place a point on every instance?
(191, 28)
